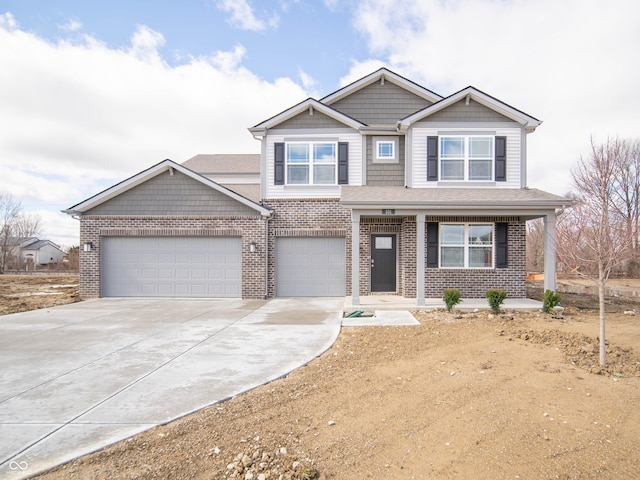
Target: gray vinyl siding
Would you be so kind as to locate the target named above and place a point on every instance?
(317, 120)
(461, 112)
(380, 104)
(175, 194)
(385, 174)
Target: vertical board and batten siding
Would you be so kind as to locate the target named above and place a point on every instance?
(312, 191)
(380, 103)
(419, 151)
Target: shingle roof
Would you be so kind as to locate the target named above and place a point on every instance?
(247, 190)
(445, 198)
(224, 163)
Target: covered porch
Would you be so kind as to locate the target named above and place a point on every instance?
(427, 206)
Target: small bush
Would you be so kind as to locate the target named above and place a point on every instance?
(550, 300)
(495, 298)
(451, 298)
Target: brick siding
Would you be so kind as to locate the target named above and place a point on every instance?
(311, 218)
(250, 228)
(474, 283)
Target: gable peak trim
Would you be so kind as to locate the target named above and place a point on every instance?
(381, 75)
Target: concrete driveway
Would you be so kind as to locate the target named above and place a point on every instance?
(79, 377)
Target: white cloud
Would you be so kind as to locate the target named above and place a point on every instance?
(72, 25)
(571, 64)
(308, 82)
(79, 117)
(243, 17)
(8, 21)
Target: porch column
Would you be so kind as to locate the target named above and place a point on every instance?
(355, 258)
(420, 252)
(550, 251)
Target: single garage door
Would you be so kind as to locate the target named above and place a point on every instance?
(310, 267)
(171, 267)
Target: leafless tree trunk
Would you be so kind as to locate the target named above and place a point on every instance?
(9, 210)
(590, 235)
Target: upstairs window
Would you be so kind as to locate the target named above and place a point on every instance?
(466, 157)
(466, 245)
(311, 163)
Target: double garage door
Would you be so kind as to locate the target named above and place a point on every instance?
(171, 267)
(310, 267)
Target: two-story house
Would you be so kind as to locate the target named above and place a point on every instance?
(382, 187)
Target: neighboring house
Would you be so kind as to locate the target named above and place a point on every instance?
(30, 252)
(382, 187)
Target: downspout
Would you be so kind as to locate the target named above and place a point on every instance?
(266, 257)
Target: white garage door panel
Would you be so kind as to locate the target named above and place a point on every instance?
(310, 267)
(171, 267)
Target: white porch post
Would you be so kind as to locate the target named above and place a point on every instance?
(355, 258)
(420, 251)
(550, 251)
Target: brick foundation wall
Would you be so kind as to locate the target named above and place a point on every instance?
(250, 228)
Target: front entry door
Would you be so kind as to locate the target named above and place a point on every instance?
(383, 263)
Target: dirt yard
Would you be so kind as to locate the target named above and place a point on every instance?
(471, 395)
(20, 293)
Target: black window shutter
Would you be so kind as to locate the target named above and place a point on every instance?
(279, 164)
(343, 163)
(432, 245)
(502, 250)
(432, 159)
(501, 159)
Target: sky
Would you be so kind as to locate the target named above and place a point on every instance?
(94, 91)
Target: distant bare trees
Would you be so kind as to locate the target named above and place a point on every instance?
(596, 235)
(14, 223)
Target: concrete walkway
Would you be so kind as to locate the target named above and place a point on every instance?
(79, 377)
(395, 302)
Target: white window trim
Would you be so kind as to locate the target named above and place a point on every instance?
(309, 164)
(465, 159)
(466, 246)
(393, 141)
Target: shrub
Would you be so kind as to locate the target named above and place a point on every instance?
(451, 298)
(495, 298)
(550, 300)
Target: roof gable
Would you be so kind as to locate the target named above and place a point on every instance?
(381, 76)
(166, 200)
(471, 93)
(310, 106)
(381, 103)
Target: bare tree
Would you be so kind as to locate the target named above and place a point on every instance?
(9, 210)
(590, 235)
(27, 224)
(626, 198)
(535, 245)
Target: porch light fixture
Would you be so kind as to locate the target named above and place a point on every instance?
(252, 247)
(87, 246)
